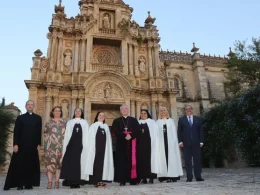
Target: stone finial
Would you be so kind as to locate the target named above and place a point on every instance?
(149, 20)
(59, 8)
(38, 53)
(231, 53)
(194, 49)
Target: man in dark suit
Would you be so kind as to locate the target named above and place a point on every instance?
(191, 136)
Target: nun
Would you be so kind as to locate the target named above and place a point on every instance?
(147, 148)
(170, 166)
(75, 150)
(100, 164)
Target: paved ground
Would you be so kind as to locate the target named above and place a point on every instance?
(217, 182)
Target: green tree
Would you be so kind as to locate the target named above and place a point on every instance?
(244, 66)
(6, 119)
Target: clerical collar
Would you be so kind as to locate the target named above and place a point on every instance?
(124, 116)
(30, 113)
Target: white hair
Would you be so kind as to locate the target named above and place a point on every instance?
(123, 106)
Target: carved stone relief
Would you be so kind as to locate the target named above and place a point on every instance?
(142, 64)
(67, 57)
(107, 91)
(40, 106)
(108, 55)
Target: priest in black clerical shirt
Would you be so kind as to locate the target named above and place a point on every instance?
(125, 128)
(24, 169)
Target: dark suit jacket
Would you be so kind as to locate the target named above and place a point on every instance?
(190, 134)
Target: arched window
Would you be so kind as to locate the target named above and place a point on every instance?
(176, 83)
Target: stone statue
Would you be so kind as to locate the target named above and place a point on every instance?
(106, 21)
(142, 65)
(65, 109)
(107, 91)
(68, 58)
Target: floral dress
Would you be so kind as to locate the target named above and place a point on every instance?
(53, 143)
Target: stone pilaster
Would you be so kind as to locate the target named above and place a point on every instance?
(81, 102)
(59, 56)
(124, 57)
(131, 67)
(132, 109)
(82, 55)
(49, 36)
(138, 109)
(73, 105)
(150, 61)
(47, 107)
(137, 72)
(33, 90)
(76, 56)
(53, 50)
(173, 106)
(154, 110)
(156, 60)
(89, 53)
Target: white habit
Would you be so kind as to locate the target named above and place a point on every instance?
(154, 135)
(68, 134)
(108, 168)
(174, 157)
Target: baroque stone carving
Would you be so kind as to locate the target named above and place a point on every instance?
(65, 108)
(82, 79)
(68, 44)
(68, 57)
(107, 91)
(44, 63)
(142, 66)
(40, 106)
(108, 55)
(106, 21)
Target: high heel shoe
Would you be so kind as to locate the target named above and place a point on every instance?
(49, 186)
(57, 184)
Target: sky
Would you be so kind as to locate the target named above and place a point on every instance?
(213, 25)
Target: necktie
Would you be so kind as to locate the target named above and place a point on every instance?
(190, 121)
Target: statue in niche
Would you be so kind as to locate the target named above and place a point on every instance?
(142, 65)
(67, 58)
(106, 21)
(65, 109)
(107, 91)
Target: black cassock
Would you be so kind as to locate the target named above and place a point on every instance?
(125, 167)
(71, 166)
(144, 153)
(24, 169)
(99, 156)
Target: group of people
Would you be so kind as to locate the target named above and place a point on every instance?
(79, 154)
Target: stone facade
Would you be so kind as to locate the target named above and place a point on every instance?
(101, 59)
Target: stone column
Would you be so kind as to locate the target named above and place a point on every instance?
(89, 53)
(73, 105)
(47, 108)
(53, 50)
(138, 109)
(76, 56)
(124, 57)
(131, 67)
(157, 60)
(87, 110)
(150, 62)
(173, 107)
(137, 73)
(81, 103)
(82, 56)
(59, 57)
(49, 36)
(154, 110)
(55, 101)
(132, 109)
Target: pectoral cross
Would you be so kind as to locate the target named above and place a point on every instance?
(103, 132)
(142, 130)
(77, 129)
(164, 130)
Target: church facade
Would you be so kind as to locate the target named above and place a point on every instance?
(101, 59)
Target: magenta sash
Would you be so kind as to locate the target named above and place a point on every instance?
(133, 169)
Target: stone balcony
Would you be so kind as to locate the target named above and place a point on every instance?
(107, 31)
(99, 67)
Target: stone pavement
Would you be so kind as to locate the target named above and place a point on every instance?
(244, 181)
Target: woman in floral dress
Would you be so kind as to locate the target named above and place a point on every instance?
(53, 142)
